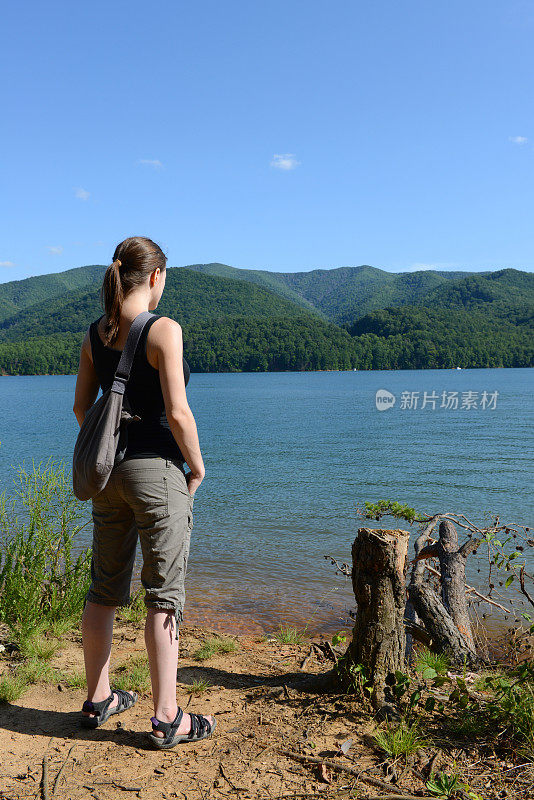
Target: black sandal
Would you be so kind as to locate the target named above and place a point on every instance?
(201, 728)
(102, 709)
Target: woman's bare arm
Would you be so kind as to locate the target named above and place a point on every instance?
(87, 385)
(166, 340)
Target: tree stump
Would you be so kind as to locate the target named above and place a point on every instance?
(445, 618)
(378, 579)
(452, 566)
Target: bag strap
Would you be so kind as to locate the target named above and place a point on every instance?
(126, 360)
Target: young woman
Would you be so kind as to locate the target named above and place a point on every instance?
(148, 494)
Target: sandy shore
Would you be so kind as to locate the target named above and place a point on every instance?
(265, 709)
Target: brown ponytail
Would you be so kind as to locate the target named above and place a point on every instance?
(134, 260)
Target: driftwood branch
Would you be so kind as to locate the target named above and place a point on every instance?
(522, 585)
(343, 568)
(431, 551)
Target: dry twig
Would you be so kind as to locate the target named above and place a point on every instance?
(60, 773)
(345, 768)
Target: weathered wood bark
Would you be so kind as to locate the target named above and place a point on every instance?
(411, 619)
(446, 619)
(445, 636)
(378, 580)
(452, 567)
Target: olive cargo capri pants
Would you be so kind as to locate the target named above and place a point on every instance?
(149, 497)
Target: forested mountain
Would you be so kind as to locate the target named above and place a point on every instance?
(188, 297)
(18, 295)
(415, 337)
(254, 320)
(273, 281)
(345, 293)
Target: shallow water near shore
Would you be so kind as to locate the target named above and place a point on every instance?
(289, 456)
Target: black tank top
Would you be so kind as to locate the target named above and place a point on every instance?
(152, 436)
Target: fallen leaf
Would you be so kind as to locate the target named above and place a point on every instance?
(345, 747)
(324, 773)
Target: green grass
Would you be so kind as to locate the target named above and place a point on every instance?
(12, 686)
(287, 635)
(74, 680)
(35, 670)
(135, 611)
(426, 659)
(467, 727)
(213, 645)
(38, 647)
(41, 579)
(198, 687)
(60, 627)
(133, 675)
(401, 740)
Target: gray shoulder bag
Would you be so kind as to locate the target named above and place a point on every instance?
(102, 440)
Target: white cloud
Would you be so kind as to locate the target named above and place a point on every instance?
(7, 263)
(518, 139)
(285, 161)
(82, 194)
(55, 250)
(155, 163)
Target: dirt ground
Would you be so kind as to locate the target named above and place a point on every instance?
(264, 708)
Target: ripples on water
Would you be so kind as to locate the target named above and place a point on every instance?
(289, 456)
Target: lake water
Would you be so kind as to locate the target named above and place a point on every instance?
(288, 458)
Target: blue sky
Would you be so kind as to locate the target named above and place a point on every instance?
(283, 135)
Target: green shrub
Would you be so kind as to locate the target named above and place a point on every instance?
(43, 582)
(38, 647)
(35, 670)
(74, 680)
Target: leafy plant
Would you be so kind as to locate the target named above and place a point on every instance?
(442, 785)
(339, 638)
(353, 677)
(513, 704)
(42, 581)
(430, 664)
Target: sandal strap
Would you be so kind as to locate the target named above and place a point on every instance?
(168, 728)
(199, 726)
(124, 699)
(97, 708)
